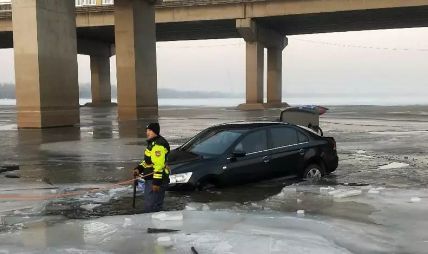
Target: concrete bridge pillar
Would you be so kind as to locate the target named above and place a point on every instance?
(99, 53)
(44, 36)
(100, 80)
(135, 32)
(257, 38)
(254, 66)
(274, 74)
(254, 74)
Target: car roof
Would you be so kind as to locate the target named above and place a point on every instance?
(246, 125)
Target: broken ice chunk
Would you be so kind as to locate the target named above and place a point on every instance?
(373, 191)
(345, 193)
(190, 208)
(171, 216)
(205, 207)
(394, 165)
(127, 222)
(300, 212)
(89, 207)
(326, 189)
(164, 241)
(415, 199)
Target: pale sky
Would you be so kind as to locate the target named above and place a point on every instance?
(384, 61)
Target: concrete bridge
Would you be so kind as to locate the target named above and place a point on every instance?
(48, 34)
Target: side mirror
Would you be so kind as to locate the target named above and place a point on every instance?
(238, 154)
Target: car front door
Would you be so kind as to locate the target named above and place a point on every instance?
(254, 164)
(286, 150)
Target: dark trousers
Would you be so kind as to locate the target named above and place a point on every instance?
(153, 201)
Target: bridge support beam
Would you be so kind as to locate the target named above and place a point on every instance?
(99, 53)
(274, 74)
(254, 74)
(100, 80)
(44, 38)
(135, 32)
(257, 38)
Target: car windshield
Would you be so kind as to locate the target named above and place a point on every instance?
(213, 143)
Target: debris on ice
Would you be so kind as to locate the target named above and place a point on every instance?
(394, 165)
(171, 216)
(12, 175)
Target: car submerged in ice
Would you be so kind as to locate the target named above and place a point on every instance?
(238, 153)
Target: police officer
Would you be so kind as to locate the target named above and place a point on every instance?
(155, 167)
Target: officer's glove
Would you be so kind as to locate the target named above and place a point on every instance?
(136, 172)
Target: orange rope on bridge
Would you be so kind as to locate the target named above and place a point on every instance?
(63, 195)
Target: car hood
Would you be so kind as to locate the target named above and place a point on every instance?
(182, 161)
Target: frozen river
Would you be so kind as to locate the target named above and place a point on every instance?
(376, 202)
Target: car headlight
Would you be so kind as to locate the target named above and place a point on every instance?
(180, 178)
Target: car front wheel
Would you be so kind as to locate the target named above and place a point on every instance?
(313, 172)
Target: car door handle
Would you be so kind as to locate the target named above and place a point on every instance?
(266, 159)
(302, 152)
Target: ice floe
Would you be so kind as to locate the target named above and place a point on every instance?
(394, 165)
(415, 199)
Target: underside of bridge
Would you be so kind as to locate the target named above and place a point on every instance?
(133, 38)
(388, 18)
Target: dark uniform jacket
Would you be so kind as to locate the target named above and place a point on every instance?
(155, 157)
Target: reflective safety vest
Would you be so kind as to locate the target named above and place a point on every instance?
(155, 158)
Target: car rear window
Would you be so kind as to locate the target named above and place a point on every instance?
(253, 142)
(302, 137)
(283, 137)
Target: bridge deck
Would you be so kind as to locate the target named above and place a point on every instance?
(214, 19)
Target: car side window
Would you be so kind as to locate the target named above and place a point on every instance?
(302, 137)
(283, 136)
(253, 142)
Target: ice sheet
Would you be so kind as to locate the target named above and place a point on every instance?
(207, 231)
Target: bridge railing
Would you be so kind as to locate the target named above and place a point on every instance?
(6, 6)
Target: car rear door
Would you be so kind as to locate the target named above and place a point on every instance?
(254, 165)
(287, 150)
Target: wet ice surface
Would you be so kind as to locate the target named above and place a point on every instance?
(376, 202)
(386, 222)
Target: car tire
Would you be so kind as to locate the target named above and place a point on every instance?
(313, 172)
